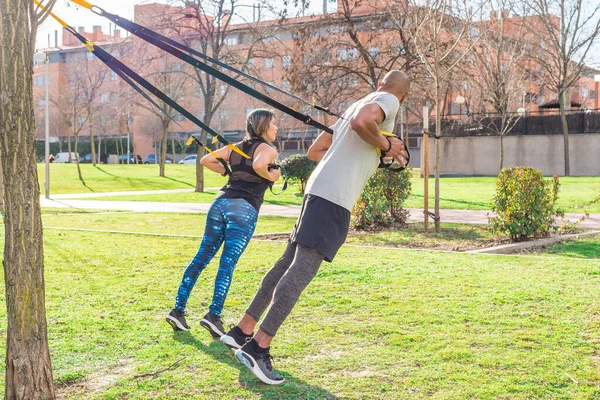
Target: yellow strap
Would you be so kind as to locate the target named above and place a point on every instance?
(241, 153)
(384, 133)
(83, 3)
(190, 141)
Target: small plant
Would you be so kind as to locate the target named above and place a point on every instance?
(298, 168)
(381, 202)
(525, 203)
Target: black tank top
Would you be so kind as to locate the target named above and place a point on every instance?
(244, 182)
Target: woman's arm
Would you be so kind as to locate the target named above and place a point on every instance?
(263, 156)
(210, 162)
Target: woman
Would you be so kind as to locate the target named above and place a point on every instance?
(232, 216)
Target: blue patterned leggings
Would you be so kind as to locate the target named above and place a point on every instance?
(228, 220)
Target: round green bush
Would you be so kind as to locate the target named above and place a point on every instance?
(381, 202)
(298, 168)
(525, 203)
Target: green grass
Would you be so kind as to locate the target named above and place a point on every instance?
(585, 247)
(116, 178)
(464, 193)
(375, 324)
(164, 223)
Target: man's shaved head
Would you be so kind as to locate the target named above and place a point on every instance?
(395, 82)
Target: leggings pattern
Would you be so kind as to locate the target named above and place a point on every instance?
(229, 221)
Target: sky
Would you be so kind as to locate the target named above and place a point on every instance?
(77, 16)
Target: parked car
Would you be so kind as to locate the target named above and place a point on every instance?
(87, 159)
(133, 159)
(189, 159)
(153, 159)
(64, 157)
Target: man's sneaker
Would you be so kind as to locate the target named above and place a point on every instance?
(213, 324)
(259, 362)
(176, 319)
(235, 338)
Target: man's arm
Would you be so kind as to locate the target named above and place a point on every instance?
(317, 150)
(366, 125)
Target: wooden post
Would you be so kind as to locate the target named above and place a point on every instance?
(425, 167)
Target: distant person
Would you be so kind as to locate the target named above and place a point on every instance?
(347, 158)
(232, 216)
(51, 158)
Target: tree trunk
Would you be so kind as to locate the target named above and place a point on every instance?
(1, 186)
(438, 128)
(28, 364)
(501, 152)
(77, 158)
(163, 150)
(199, 167)
(564, 98)
(91, 127)
(173, 147)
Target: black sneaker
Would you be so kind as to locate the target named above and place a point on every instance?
(235, 338)
(259, 363)
(176, 319)
(213, 324)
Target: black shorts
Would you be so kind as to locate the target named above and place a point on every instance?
(322, 226)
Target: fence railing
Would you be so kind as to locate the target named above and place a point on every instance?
(578, 123)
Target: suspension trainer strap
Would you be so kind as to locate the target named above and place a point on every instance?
(154, 38)
(121, 69)
(215, 155)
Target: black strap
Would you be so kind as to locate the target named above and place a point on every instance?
(285, 178)
(116, 66)
(156, 39)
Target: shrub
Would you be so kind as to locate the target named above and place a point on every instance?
(298, 168)
(525, 203)
(381, 203)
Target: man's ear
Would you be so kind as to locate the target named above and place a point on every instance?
(379, 84)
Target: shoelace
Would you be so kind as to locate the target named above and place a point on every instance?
(268, 357)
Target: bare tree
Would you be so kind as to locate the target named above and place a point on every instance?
(439, 34)
(28, 364)
(571, 28)
(498, 68)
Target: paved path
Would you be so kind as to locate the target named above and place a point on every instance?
(63, 201)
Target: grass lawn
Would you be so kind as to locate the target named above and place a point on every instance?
(375, 324)
(115, 178)
(468, 193)
(586, 247)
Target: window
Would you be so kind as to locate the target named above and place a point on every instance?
(113, 76)
(89, 55)
(592, 94)
(103, 98)
(41, 101)
(286, 85)
(251, 61)
(374, 52)
(530, 97)
(222, 90)
(347, 54)
(177, 67)
(80, 121)
(585, 93)
(200, 115)
(474, 33)
(249, 110)
(269, 62)
(286, 61)
(224, 114)
(231, 40)
(39, 80)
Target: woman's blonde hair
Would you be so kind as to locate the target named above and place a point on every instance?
(258, 121)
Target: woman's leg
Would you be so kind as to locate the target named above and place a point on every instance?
(240, 218)
(214, 233)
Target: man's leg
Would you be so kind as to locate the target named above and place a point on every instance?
(255, 354)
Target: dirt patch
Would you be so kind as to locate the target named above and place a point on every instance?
(99, 382)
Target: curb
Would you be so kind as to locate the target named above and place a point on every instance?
(514, 247)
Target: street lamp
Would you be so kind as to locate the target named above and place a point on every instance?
(596, 81)
(460, 100)
(521, 111)
(42, 57)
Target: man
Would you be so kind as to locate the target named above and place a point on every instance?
(347, 158)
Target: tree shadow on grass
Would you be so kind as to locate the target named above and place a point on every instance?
(486, 205)
(106, 172)
(177, 180)
(292, 388)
